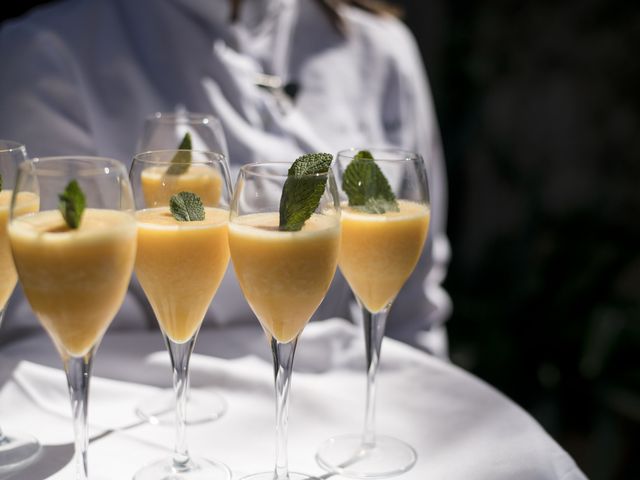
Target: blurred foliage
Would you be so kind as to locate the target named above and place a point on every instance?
(539, 111)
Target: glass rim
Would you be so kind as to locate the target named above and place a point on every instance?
(147, 157)
(9, 146)
(399, 154)
(41, 165)
(186, 118)
(251, 167)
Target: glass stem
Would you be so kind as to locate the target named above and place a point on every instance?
(283, 354)
(373, 324)
(78, 370)
(3, 438)
(180, 354)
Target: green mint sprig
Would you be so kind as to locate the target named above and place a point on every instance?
(71, 204)
(303, 189)
(366, 186)
(181, 161)
(0, 182)
(186, 207)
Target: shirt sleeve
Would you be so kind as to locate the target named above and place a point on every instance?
(409, 115)
(41, 95)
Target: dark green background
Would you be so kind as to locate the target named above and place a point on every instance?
(539, 110)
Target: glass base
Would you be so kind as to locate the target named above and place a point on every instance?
(202, 407)
(17, 450)
(196, 469)
(348, 456)
(272, 476)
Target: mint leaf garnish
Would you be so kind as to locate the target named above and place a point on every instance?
(181, 161)
(366, 186)
(363, 155)
(71, 204)
(186, 207)
(302, 190)
(0, 182)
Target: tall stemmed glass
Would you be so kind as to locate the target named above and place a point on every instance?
(74, 273)
(166, 131)
(383, 233)
(284, 275)
(15, 449)
(182, 200)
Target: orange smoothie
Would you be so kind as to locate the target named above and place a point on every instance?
(27, 202)
(180, 266)
(284, 275)
(378, 252)
(158, 186)
(75, 280)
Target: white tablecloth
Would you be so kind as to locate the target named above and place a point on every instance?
(461, 428)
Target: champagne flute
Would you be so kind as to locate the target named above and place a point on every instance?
(183, 253)
(284, 275)
(166, 131)
(16, 450)
(74, 263)
(383, 233)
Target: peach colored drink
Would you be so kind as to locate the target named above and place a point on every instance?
(378, 252)
(284, 275)
(180, 266)
(75, 280)
(158, 186)
(27, 202)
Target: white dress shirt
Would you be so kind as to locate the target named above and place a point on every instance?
(80, 76)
